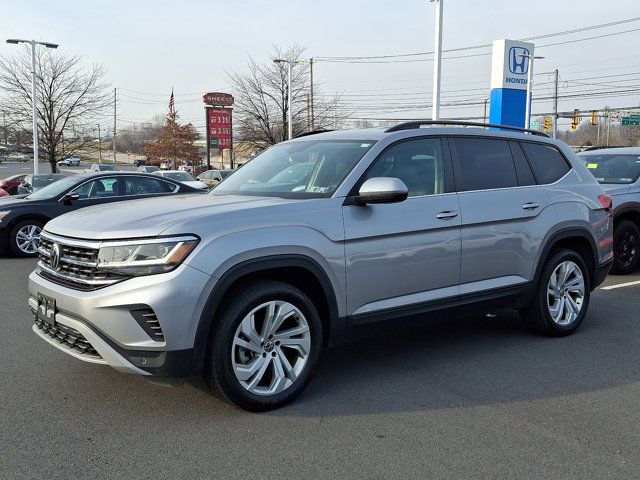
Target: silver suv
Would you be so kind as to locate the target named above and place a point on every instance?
(246, 285)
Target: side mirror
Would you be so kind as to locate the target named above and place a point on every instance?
(382, 190)
(70, 197)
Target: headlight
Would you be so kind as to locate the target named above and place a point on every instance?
(145, 257)
(4, 214)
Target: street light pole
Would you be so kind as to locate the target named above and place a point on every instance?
(36, 155)
(435, 109)
(290, 64)
(527, 114)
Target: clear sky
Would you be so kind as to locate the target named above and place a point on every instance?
(149, 46)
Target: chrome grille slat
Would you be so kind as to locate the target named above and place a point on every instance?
(78, 265)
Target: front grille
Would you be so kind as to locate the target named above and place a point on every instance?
(69, 337)
(77, 266)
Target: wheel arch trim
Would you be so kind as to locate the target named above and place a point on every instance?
(337, 326)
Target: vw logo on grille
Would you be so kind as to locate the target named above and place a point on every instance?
(55, 256)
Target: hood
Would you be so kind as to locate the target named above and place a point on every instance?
(149, 217)
(615, 188)
(14, 201)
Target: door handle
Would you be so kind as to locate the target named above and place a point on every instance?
(530, 205)
(447, 215)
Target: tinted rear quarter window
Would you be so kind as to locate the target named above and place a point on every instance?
(483, 163)
(547, 162)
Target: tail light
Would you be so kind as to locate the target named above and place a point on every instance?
(607, 203)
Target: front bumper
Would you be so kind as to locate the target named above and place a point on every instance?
(104, 319)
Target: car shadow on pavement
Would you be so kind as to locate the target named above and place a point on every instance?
(437, 362)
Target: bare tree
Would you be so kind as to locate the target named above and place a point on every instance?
(261, 97)
(68, 94)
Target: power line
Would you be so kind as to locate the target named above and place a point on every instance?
(474, 47)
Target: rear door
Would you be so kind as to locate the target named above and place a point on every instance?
(138, 186)
(405, 255)
(504, 213)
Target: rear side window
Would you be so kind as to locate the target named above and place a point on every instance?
(483, 163)
(547, 162)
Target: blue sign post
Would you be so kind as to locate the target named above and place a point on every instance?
(509, 67)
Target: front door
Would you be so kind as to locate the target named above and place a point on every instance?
(403, 256)
(93, 192)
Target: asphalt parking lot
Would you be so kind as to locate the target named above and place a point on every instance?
(467, 397)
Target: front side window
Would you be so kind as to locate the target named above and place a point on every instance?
(301, 169)
(418, 163)
(483, 163)
(98, 188)
(613, 168)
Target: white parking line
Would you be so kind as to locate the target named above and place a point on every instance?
(620, 285)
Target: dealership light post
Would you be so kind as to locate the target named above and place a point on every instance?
(33, 93)
(437, 61)
(527, 114)
(290, 64)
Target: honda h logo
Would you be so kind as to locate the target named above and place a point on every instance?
(518, 61)
(55, 256)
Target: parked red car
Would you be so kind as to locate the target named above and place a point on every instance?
(10, 184)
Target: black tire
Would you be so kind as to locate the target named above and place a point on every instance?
(218, 369)
(537, 316)
(13, 240)
(626, 248)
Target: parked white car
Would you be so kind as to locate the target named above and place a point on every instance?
(70, 161)
(182, 177)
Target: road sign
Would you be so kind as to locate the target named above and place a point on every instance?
(631, 120)
(535, 125)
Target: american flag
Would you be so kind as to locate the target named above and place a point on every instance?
(172, 110)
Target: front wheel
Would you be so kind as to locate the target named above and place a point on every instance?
(562, 296)
(264, 346)
(626, 247)
(25, 238)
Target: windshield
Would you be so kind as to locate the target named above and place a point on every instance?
(179, 176)
(43, 181)
(613, 168)
(302, 169)
(105, 168)
(54, 189)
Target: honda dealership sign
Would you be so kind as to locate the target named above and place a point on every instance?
(509, 68)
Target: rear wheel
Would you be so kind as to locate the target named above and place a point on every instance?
(25, 237)
(562, 296)
(264, 347)
(626, 247)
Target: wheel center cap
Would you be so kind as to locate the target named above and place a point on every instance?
(269, 346)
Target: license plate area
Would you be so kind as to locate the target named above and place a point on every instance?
(46, 310)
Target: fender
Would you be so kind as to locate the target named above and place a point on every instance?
(337, 328)
(626, 208)
(559, 235)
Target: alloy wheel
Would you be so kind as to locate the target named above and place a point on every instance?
(28, 238)
(565, 293)
(271, 347)
(627, 250)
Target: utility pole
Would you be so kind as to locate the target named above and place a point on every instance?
(99, 146)
(114, 125)
(309, 112)
(484, 115)
(555, 104)
(4, 128)
(311, 94)
(608, 124)
(435, 109)
(598, 135)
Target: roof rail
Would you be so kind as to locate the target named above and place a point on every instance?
(306, 134)
(420, 123)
